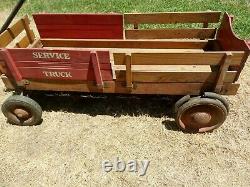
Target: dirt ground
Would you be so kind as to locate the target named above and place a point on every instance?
(77, 134)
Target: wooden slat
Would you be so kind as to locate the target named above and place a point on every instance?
(97, 70)
(24, 42)
(136, 50)
(185, 77)
(36, 73)
(5, 38)
(18, 27)
(36, 44)
(51, 64)
(139, 88)
(128, 71)
(75, 56)
(29, 32)
(207, 58)
(172, 17)
(164, 68)
(142, 44)
(205, 33)
(222, 71)
(80, 26)
(77, 19)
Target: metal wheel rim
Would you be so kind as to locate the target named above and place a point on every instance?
(26, 112)
(212, 115)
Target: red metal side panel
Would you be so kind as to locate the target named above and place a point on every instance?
(74, 65)
(80, 26)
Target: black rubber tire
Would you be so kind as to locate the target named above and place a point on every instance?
(25, 103)
(204, 104)
(180, 102)
(217, 96)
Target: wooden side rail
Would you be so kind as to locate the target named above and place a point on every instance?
(205, 33)
(140, 44)
(136, 68)
(14, 31)
(206, 58)
(171, 18)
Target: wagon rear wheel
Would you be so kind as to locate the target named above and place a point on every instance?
(21, 110)
(201, 115)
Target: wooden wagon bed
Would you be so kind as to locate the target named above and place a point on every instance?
(116, 53)
(125, 54)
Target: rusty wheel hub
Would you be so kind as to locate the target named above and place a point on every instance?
(21, 113)
(201, 117)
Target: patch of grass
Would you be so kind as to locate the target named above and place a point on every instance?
(6, 4)
(239, 8)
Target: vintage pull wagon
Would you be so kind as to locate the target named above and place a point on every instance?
(117, 53)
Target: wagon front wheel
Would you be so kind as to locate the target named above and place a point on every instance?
(21, 110)
(201, 115)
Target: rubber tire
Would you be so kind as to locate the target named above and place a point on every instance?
(218, 97)
(26, 103)
(180, 102)
(200, 101)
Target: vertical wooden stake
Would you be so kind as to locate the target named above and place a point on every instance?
(222, 72)
(97, 71)
(205, 25)
(29, 32)
(129, 71)
(136, 26)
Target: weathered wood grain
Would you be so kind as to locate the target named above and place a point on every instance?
(206, 33)
(180, 77)
(172, 17)
(24, 42)
(141, 44)
(206, 58)
(5, 39)
(139, 88)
